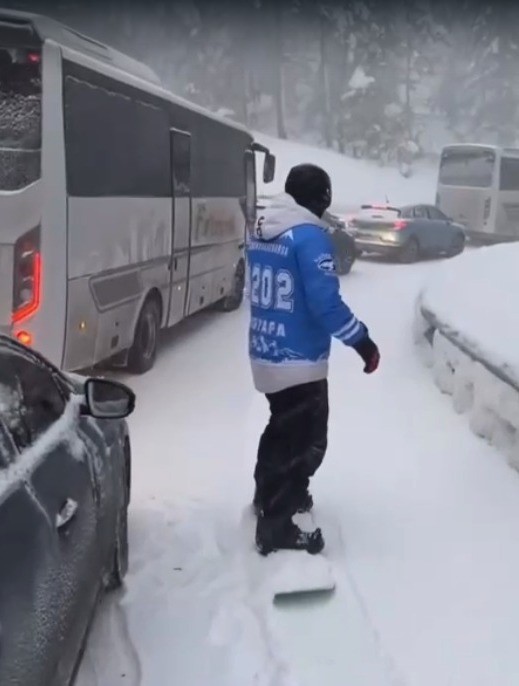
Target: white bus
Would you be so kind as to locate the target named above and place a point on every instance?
(123, 209)
(478, 186)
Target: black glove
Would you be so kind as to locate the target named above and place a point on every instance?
(369, 353)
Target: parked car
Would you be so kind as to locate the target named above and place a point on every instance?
(343, 241)
(65, 470)
(409, 232)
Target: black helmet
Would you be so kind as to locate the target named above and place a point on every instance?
(311, 187)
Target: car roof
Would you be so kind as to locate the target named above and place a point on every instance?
(387, 206)
(417, 204)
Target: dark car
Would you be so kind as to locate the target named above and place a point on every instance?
(345, 251)
(408, 232)
(64, 494)
(343, 242)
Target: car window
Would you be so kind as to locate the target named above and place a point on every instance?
(420, 212)
(434, 213)
(7, 449)
(379, 212)
(30, 399)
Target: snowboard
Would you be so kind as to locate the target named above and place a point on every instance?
(286, 573)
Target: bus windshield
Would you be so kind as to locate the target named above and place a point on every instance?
(20, 117)
(467, 167)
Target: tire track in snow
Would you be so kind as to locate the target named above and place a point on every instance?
(243, 621)
(121, 663)
(294, 642)
(335, 641)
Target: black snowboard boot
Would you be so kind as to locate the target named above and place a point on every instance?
(280, 533)
(304, 504)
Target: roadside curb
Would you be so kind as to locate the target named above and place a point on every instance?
(487, 394)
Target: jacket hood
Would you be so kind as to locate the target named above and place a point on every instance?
(282, 215)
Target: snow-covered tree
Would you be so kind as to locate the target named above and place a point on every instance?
(479, 91)
(356, 74)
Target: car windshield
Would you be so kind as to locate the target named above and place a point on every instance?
(378, 212)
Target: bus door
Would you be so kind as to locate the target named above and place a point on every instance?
(181, 224)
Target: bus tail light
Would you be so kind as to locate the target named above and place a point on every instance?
(27, 276)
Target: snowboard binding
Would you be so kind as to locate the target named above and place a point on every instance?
(280, 533)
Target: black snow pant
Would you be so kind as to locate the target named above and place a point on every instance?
(292, 447)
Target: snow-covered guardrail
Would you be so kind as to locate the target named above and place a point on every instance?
(466, 326)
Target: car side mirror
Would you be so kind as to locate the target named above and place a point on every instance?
(107, 399)
(269, 168)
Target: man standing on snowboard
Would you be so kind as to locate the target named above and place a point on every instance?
(296, 308)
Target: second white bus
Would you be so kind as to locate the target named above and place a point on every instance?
(478, 186)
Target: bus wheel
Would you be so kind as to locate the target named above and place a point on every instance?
(234, 299)
(143, 353)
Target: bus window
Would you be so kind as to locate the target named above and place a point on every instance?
(20, 118)
(182, 164)
(107, 160)
(509, 174)
(470, 168)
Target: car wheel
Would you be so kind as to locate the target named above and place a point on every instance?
(457, 246)
(234, 299)
(410, 252)
(344, 263)
(143, 353)
(344, 252)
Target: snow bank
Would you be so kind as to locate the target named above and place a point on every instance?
(420, 521)
(354, 181)
(467, 326)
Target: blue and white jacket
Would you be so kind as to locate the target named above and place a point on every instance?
(296, 306)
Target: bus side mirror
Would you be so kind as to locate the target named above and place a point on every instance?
(269, 168)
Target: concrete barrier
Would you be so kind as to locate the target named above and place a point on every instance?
(488, 395)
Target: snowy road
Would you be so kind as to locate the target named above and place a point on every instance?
(422, 520)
